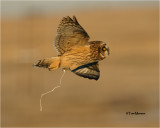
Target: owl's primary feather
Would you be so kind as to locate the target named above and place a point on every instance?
(75, 52)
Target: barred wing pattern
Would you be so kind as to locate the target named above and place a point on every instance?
(90, 71)
(69, 34)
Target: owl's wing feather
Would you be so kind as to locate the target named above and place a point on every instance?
(69, 33)
(90, 71)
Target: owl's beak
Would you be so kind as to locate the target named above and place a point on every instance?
(108, 51)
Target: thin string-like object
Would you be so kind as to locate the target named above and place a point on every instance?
(51, 90)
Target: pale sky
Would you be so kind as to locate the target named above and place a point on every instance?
(22, 8)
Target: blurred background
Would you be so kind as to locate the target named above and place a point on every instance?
(129, 76)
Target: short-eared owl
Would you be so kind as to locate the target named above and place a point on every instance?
(75, 52)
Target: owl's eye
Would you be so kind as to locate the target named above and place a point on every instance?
(104, 49)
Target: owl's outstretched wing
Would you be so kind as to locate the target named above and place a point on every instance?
(90, 71)
(69, 33)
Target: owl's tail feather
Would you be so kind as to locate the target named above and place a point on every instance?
(52, 63)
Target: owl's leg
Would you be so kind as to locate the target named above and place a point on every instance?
(51, 63)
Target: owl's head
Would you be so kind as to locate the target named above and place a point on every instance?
(103, 50)
(100, 49)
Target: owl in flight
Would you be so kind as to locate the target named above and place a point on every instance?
(75, 52)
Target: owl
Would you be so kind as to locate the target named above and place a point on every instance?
(75, 52)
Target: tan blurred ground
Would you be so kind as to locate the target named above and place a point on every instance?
(128, 81)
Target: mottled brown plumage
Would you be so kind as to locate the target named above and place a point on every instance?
(74, 51)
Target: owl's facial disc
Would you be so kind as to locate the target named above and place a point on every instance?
(105, 50)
